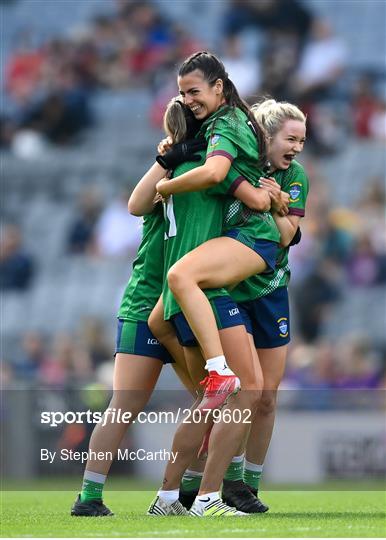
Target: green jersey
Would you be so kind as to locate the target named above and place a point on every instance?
(191, 219)
(230, 134)
(145, 284)
(295, 182)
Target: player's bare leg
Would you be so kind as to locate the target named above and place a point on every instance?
(216, 263)
(134, 380)
(165, 334)
(227, 439)
(272, 362)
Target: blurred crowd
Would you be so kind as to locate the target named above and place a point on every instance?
(342, 250)
(270, 47)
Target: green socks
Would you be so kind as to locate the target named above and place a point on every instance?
(92, 487)
(235, 469)
(252, 474)
(191, 480)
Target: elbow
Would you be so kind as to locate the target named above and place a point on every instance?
(284, 243)
(134, 208)
(263, 206)
(285, 240)
(214, 177)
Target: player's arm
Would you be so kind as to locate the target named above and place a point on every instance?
(144, 196)
(205, 176)
(142, 199)
(256, 199)
(287, 225)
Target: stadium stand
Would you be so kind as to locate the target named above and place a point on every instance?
(41, 191)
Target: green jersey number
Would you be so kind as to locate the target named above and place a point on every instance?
(170, 218)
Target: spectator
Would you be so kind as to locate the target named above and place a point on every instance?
(33, 357)
(68, 363)
(117, 232)
(321, 65)
(16, 265)
(244, 70)
(93, 338)
(282, 15)
(314, 297)
(364, 265)
(364, 106)
(80, 239)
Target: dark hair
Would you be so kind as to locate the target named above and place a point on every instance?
(213, 69)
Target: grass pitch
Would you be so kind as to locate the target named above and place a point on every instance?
(292, 514)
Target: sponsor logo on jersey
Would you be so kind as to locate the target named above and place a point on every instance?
(214, 140)
(152, 341)
(234, 311)
(283, 326)
(295, 190)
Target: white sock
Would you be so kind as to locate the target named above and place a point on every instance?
(170, 496)
(238, 459)
(218, 364)
(207, 498)
(94, 477)
(253, 466)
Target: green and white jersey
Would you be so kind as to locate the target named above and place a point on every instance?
(145, 284)
(230, 134)
(191, 219)
(295, 182)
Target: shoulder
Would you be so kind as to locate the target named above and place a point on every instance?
(233, 124)
(296, 172)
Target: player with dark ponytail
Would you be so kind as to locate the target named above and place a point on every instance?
(247, 246)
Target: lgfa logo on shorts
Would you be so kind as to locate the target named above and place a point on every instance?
(295, 189)
(234, 311)
(152, 341)
(283, 327)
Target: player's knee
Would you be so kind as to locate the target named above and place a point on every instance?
(267, 403)
(132, 402)
(177, 280)
(155, 326)
(249, 398)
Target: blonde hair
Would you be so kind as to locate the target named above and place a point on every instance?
(174, 122)
(271, 115)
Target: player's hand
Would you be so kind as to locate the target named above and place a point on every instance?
(279, 199)
(281, 205)
(270, 185)
(157, 199)
(165, 145)
(181, 152)
(162, 188)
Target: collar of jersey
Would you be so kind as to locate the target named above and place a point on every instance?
(213, 116)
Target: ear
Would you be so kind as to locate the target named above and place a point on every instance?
(219, 86)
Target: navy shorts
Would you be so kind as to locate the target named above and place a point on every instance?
(267, 319)
(135, 337)
(227, 315)
(265, 248)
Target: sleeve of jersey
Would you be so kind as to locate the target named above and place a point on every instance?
(297, 186)
(219, 145)
(229, 185)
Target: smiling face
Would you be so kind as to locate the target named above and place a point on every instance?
(284, 146)
(201, 98)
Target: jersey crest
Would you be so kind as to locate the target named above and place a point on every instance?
(295, 190)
